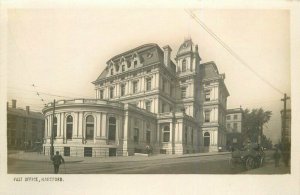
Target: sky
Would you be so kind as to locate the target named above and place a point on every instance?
(61, 51)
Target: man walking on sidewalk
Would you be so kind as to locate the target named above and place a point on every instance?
(57, 160)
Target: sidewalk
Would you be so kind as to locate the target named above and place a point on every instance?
(33, 156)
(269, 168)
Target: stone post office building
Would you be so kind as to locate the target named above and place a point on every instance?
(143, 97)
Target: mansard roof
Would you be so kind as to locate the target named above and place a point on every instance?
(147, 54)
(185, 47)
(137, 50)
(209, 70)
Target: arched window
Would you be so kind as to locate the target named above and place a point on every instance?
(206, 139)
(54, 127)
(69, 127)
(184, 65)
(112, 129)
(89, 127)
(166, 134)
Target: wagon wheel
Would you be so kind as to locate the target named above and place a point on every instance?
(249, 163)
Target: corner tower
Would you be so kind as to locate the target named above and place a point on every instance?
(187, 65)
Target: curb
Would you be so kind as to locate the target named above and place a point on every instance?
(114, 160)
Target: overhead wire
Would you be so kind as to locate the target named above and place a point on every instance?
(229, 50)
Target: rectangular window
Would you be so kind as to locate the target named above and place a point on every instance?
(235, 116)
(135, 87)
(148, 84)
(207, 95)
(235, 127)
(122, 89)
(66, 151)
(228, 117)
(136, 135)
(207, 116)
(166, 134)
(228, 126)
(88, 151)
(112, 92)
(135, 63)
(183, 92)
(112, 71)
(101, 94)
(148, 106)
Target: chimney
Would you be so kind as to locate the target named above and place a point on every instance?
(27, 110)
(167, 55)
(14, 103)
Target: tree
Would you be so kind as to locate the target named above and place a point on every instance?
(266, 142)
(253, 122)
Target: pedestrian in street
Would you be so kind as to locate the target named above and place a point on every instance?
(277, 157)
(57, 160)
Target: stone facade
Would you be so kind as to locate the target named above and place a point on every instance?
(175, 108)
(234, 124)
(25, 128)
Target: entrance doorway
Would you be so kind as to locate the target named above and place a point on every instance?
(206, 139)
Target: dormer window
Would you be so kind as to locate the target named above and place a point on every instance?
(149, 55)
(112, 71)
(134, 63)
(123, 68)
(117, 68)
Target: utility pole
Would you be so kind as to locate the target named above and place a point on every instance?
(285, 98)
(52, 132)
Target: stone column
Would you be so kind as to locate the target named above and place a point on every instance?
(171, 132)
(117, 129)
(103, 125)
(158, 133)
(98, 127)
(58, 125)
(80, 130)
(46, 128)
(125, 135)
(75, 125)
(63, 125)
(156, 81)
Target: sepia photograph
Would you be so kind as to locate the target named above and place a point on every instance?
(147, 91)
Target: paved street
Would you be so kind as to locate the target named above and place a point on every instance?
(215, 164)
(187, 164)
